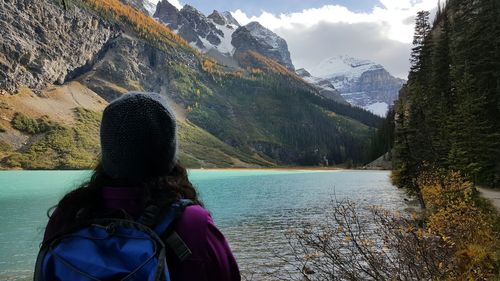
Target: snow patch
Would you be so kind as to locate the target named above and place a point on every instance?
(226, 47)
(150, 6)
(320, 83)
(206, 43)
(344, 69)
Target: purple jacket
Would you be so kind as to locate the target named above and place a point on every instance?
(211, 259)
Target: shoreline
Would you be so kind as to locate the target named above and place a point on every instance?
(294, 168)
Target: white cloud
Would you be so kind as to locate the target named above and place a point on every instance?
(389, 25)
(392, 14)
(175, 3)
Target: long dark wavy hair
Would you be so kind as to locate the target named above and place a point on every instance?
(85, 201)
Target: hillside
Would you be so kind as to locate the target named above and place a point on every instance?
(61, 64)
(447, 115)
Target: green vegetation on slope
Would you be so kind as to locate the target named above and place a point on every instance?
(281, 120)
(77, 146)
(29, 125)
(130, 18)
(447, 115)
(58, 146)
(200, 149)
(270, 111)
(5, 147)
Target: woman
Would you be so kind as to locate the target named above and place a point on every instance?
(139, 169)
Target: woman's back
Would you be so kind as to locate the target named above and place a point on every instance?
(127, 182)
(211, 257)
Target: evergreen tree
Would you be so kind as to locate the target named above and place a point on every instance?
(447, 116)
(422, 30)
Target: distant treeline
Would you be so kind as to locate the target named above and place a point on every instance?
(448, 114)
(288, 122)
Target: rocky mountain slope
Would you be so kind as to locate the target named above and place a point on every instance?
(221, 36)
(61, 64)
(257, 38)
(361, 82)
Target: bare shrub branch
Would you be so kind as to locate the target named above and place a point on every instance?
(364, 244)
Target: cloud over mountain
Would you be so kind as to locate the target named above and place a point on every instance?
(383, 35)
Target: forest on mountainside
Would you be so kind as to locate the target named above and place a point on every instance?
(447, 116)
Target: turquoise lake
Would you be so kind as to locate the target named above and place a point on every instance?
(253, 208)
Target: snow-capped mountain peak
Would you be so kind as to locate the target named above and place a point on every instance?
(217, 18)
(227, 26)
(190, 9)
(264, 34)
(207, 33)
(230, 19)
(361, 82)
(343, 65)
(267, 42)
(221, 36)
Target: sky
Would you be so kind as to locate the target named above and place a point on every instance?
(315, 30)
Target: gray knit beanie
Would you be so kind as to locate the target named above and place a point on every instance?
(138, 137)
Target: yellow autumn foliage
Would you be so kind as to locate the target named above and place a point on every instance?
(457, 216)
(208, 65)
(143, 25)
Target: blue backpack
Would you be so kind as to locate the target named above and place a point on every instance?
(114, 249)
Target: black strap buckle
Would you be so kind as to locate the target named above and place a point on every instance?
(178, 246)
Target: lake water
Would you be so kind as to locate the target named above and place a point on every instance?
(253, 208)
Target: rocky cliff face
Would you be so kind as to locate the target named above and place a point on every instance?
(221, 36)
(197, 28)
(205, 33)
(230, 19)
(268, 44)
(130, 63)
(324, 86)
(361, 82)
(167, 14)
(50, 45)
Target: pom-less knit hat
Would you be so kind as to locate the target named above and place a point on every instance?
(138, 137)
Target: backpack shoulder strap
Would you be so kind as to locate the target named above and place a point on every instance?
(165, 227)
(172, 214)
(37, 276)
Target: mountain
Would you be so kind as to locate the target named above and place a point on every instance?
(256, 37)
(324, 86)
(221, 36)
(204, 33)
(361, 82)
(61, 63)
